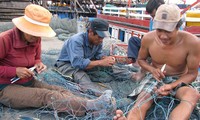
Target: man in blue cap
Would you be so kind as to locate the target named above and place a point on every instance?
(82, 52)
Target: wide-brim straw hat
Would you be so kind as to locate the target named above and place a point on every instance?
(35, 21)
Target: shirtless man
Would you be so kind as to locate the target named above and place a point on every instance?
(179, 50)
(134, 42)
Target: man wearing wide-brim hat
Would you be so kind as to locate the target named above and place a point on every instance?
(20, 54)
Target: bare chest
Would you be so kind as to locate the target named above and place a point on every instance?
(172, 55)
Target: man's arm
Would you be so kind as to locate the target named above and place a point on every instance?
(144, 53)
(192, 59)
(105, 61)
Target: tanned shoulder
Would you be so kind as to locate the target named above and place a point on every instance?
(189, 38)
(149, 37)
(191, 43)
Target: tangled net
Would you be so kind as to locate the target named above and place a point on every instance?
(121, 89)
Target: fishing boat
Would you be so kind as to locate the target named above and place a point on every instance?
(126, 17)
(133, 19)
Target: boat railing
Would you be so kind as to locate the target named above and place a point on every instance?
(134, 21)
(127, 12)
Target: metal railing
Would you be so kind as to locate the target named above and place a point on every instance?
(127, 12)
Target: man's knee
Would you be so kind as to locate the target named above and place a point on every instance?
(81, 77)
(190, 96)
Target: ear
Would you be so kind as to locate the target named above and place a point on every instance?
(91, 31)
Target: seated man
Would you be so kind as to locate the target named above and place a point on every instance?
(134, 43)
(82, 53)
(179, 69)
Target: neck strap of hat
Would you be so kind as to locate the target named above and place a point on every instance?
(35, 22)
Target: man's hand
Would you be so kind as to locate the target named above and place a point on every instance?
(23, 72)
(107, 61)
(164, 90)
(158, 74)
(40, 67)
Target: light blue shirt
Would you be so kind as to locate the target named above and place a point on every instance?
(151, 25)
(79, 52)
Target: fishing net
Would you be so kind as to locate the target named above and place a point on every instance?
(119, 51)
(6, 26)
(121, 89)
(64, 28)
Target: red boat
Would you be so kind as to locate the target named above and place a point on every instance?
(127, 21)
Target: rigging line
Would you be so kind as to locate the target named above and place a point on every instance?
(161, 109)
(145, 94)
(56, 115)
(141, 98)
(170, 107)
(151, 97)
(148, 99)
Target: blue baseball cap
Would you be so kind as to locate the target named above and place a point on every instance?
(100, 26)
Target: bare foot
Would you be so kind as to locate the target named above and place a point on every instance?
(119, 115)
(135, 64)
